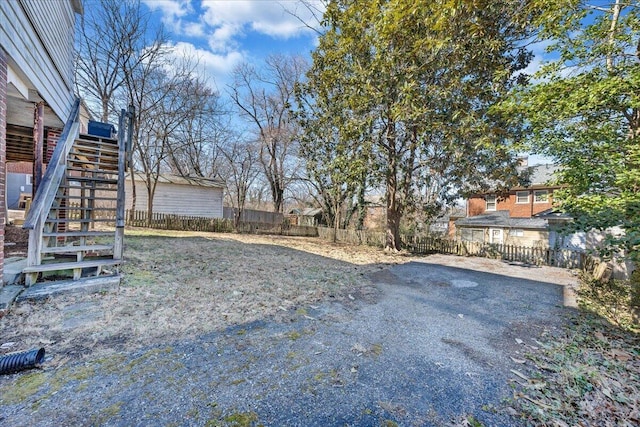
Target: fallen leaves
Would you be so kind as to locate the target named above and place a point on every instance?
(590, 375)
(620, 355)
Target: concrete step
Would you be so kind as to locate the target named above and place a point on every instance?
(8, 295)
(12, 272)
(85, 285)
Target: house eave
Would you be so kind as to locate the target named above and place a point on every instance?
(77, 6)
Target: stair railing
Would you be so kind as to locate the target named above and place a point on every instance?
(125, 131)
(46, 192)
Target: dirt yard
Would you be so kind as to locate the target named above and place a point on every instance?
(179, 284)
(183, 284)
(212, 328)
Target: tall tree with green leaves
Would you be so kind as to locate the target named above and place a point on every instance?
(336, 162)
(583, 110)
(414, 82)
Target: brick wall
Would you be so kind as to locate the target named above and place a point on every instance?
(3, 150)
(20, 167)
(52, 137)
(477, 205)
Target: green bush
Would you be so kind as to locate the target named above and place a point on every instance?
(613, 300)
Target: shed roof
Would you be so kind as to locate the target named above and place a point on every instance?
(502, 219)
(305, 211)
(184, 180)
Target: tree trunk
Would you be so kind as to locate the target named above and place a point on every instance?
(394, 207)
(336, 221)
(278, 200)
(362, 204)
(105, 110)
(151, 190)
(393, 223)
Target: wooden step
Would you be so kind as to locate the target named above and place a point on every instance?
(75, 249)
(82, 209)
(89, 145)
(74, 197)
(92, 179)
(89, 163)
(92, 158)
(84, 155)
(78, 220)
(79, 187)
(31, 272)
(54, 266)
(95, 139)
(91, 170)
(80, 234)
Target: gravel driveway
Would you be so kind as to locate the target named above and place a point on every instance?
(435, 345)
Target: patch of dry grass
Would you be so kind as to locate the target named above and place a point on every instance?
(180, 284)
(587, 375)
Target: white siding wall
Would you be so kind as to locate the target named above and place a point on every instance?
(179, 199)
(38, 37)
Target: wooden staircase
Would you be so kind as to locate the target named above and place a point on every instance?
(76, 221)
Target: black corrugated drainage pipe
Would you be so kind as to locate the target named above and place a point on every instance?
(15, 362)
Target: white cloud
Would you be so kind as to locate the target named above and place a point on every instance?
(169, 8)
(215, 67)
(194, 29)
(222, 38)
(271, 18)
(173, 14)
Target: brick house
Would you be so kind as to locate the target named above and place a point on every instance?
(36, 82)
(513, 217)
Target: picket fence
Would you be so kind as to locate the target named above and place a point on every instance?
(163, 221)
(563, 258)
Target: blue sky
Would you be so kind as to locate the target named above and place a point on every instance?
(225, 33)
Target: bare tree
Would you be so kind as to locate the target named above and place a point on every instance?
(264, 98)
(241, 170)
(161, 96)
(112, 38)
(206, 126)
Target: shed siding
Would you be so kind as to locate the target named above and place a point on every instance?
(26, 25)
(179, 199)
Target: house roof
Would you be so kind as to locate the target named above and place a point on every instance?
(554, 216)
(306, 211)
(542, 174)
(502, 219)
(182, 180)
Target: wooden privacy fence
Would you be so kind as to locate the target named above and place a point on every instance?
(177, 222)
(215, 225)
(253, 215)
(564, 258)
